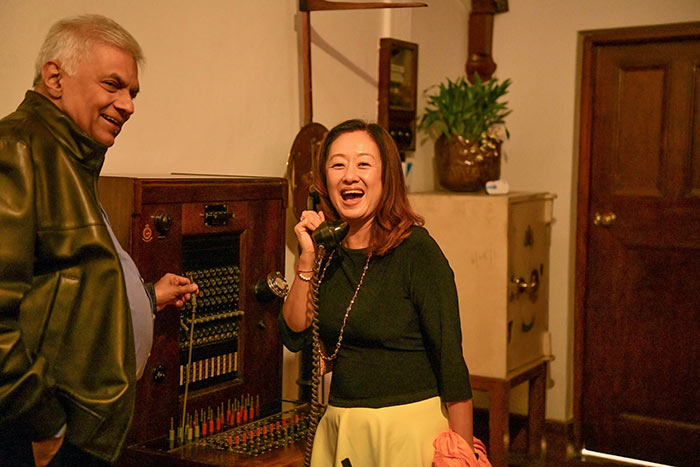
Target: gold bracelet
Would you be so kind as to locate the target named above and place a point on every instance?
(303, 277)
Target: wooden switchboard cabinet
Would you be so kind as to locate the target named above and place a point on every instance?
(227, 234)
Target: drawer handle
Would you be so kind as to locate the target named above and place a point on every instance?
(604, 220)
(523, 286)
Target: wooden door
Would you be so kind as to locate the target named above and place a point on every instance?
(637, 377)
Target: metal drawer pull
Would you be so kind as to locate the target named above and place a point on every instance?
(604, 220)
(524, 286)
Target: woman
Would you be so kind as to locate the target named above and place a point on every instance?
(389, 318)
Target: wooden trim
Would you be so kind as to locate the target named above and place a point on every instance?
(306, 66)
(319, 5)
(588, 42)
(582, 208)
(637, 34)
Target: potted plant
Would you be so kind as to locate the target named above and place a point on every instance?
(467, 121)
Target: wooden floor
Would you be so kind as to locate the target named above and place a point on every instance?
(557, 450)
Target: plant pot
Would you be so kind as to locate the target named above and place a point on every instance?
(464, 165)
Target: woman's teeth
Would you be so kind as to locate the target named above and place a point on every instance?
(352, 194)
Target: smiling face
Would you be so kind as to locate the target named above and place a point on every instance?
(99, 95)
(354, 177)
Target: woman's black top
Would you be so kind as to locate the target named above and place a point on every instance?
(402, 342)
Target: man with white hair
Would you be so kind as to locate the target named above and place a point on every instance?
(76, 320)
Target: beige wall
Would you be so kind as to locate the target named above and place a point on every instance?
(221, 92)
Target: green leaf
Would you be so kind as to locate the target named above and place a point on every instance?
(458, 107)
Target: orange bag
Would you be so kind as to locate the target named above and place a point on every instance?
(451, 450)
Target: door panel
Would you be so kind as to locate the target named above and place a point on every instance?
(640, 308)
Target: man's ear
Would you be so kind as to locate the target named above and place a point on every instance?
(52, 79)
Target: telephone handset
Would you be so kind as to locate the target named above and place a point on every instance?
(330, 233)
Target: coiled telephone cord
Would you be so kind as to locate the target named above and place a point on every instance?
(316, 407)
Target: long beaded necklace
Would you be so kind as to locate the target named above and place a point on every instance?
(326, 362)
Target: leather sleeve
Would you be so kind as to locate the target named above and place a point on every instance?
(27, 402)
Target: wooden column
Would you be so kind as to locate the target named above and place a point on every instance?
(479, 59)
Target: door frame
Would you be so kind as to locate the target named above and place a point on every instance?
(588, 43)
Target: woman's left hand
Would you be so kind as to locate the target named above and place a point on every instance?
(172, 289)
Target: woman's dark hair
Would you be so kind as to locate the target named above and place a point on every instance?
(394, 216)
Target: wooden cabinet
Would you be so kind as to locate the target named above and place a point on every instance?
(227, 233)
(498, 247)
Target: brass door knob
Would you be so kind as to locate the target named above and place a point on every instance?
(604, 220)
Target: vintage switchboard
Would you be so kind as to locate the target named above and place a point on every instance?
(222, 354)
(498, 248)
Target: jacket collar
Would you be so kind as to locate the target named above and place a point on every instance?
(88, 151)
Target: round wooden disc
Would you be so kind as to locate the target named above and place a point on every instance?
(299, 174)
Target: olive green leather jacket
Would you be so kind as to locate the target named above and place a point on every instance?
(66, 339)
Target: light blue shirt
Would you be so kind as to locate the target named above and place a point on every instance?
(141, 308)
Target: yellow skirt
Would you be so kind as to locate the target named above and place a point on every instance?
(396, 436)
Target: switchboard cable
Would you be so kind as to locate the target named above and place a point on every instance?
(193, 301)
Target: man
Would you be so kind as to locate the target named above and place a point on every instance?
(75, 318)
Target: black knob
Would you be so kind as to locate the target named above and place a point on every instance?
(159, 373)
(163, 222)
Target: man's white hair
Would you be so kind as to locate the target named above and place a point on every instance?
(71, 40)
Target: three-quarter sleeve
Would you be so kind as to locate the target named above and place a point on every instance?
(294, 341)
(434, 294)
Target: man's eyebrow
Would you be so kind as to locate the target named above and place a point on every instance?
(120, 83)
(116, 78)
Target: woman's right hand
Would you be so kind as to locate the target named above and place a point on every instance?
(308, 222)
(296, 306)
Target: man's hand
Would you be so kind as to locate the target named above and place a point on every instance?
(172, 289)
(45, 450)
